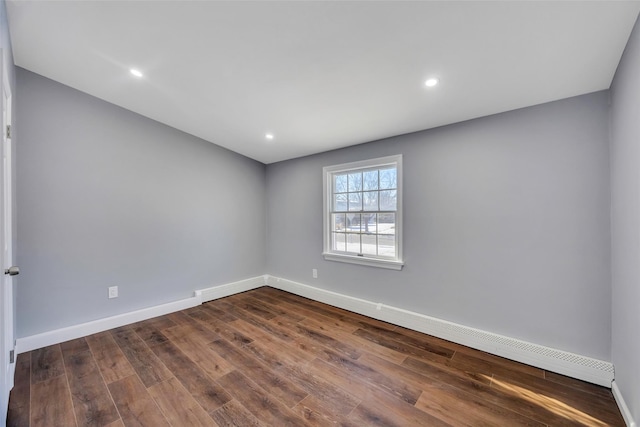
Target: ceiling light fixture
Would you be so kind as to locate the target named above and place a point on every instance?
(431, 82)
(269, 136)
(135, 72)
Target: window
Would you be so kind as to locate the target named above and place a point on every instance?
(363, 212)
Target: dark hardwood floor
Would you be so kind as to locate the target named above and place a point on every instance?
(270, 358)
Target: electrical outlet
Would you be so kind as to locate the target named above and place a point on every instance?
(113, 292)
(314, 273)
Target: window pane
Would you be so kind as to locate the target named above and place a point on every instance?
(340, 183)
(340, 202)
(386, 245)
(369, 246)
(353, 243)
(387, 223)
(368, 223)
(355, 181)
(370, 179)
(338, 222)
(372, 223)
(370, 200)
(353, 223)
(338, 242)
(355, 201)
(388, 178)
(388, 200)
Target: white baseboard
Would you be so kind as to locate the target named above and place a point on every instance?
(559, 361)
(57, 336)
(562, 362)
(228, 289)
(622, 405)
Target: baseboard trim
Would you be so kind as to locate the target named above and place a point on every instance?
(215, 292)
(570, 364)
(559, 361)
(622, 405)
(57, 336)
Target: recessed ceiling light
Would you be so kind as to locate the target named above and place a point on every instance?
(269, 136)
(135, 72)
(431, 82)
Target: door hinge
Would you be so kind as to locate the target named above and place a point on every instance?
(12, 356)
(8, 131)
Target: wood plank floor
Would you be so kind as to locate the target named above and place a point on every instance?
(270, 358)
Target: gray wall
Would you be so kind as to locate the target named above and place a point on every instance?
(625, 220)
(506, 222)
(107, 197)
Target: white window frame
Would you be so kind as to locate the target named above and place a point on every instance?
(374, 261)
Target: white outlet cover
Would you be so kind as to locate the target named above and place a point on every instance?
(113, 292)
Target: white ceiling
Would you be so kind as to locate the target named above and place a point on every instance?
(320, 75)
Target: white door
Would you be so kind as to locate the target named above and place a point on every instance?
(7, 341)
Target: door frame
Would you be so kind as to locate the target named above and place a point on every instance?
(7, 341)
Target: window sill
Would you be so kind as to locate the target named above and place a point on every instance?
(371, 262)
